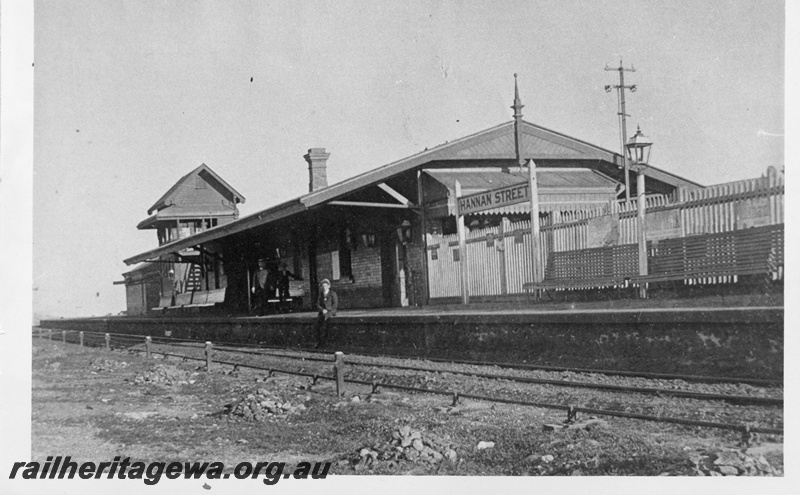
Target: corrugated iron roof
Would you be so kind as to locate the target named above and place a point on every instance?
(139, 267)
(493, 143)
(202, 168)
(479, 180)
(263, 217)
(175, 212)
(538, 142)
(560, 189)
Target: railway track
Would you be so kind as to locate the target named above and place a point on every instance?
(287, 351)
(532, 367)
(736, 399)
(470, 380)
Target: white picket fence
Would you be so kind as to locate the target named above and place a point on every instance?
(499, 258)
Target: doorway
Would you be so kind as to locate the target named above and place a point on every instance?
(389, 270)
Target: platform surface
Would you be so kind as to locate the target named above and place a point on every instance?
(768, 307)
(706, 308)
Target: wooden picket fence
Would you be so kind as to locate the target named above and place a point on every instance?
(499, 258)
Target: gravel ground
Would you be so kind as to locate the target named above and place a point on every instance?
(97, 403)
(692, 409)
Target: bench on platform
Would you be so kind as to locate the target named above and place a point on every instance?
(194, 299)
(712, 258)
(164, 303)
(207, 298)
(297, 290)
(199, 298)
(592, 268)
(182, 300)
(216, 296)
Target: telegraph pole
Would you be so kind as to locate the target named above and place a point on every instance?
(533, 189)
(623, 138)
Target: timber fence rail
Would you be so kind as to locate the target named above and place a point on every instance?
(747, 429)
(499, 259)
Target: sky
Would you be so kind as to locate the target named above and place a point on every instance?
(129, 96)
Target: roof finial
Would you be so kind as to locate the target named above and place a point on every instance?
(517, 125)
(517, 107)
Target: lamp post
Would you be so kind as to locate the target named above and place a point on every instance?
(404, 232)
(638, 150)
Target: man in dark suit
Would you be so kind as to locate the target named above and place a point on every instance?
(282, 278)
(260, 288)
(327, 304)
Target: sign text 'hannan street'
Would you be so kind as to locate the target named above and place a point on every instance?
(496, 198)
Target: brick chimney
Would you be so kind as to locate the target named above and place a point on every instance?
(317, 168)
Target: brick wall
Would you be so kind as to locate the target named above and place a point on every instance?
(318, 177)
(365, 291)
(324, 267)
(135, 299)
(366, 264)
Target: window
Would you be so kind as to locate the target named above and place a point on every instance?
(336, 273)
(185, 229)
(344, 267)
(346, 264)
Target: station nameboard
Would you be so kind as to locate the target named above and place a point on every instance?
(508, 195)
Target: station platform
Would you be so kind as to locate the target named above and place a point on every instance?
(719, 336)
(703, 308)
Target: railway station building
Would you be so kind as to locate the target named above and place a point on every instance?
(386, 238)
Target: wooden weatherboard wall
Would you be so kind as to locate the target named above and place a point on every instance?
(499, 257)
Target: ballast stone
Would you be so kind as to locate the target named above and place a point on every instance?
(406, 444)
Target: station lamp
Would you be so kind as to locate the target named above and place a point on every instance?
(368, 240)
(404, 232)
(638, 148)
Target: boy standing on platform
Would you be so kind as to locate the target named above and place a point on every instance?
(327, 304)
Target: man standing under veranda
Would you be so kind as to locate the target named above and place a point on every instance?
(260, 287)
(327, 304)
(283, 286)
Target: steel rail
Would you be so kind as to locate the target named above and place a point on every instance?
(133, 336)
(639, 374)
(738, 399)
(598, 412)
(571, 409)
(664, 376)
(271, 370)
(228, 348)
(126, 341)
